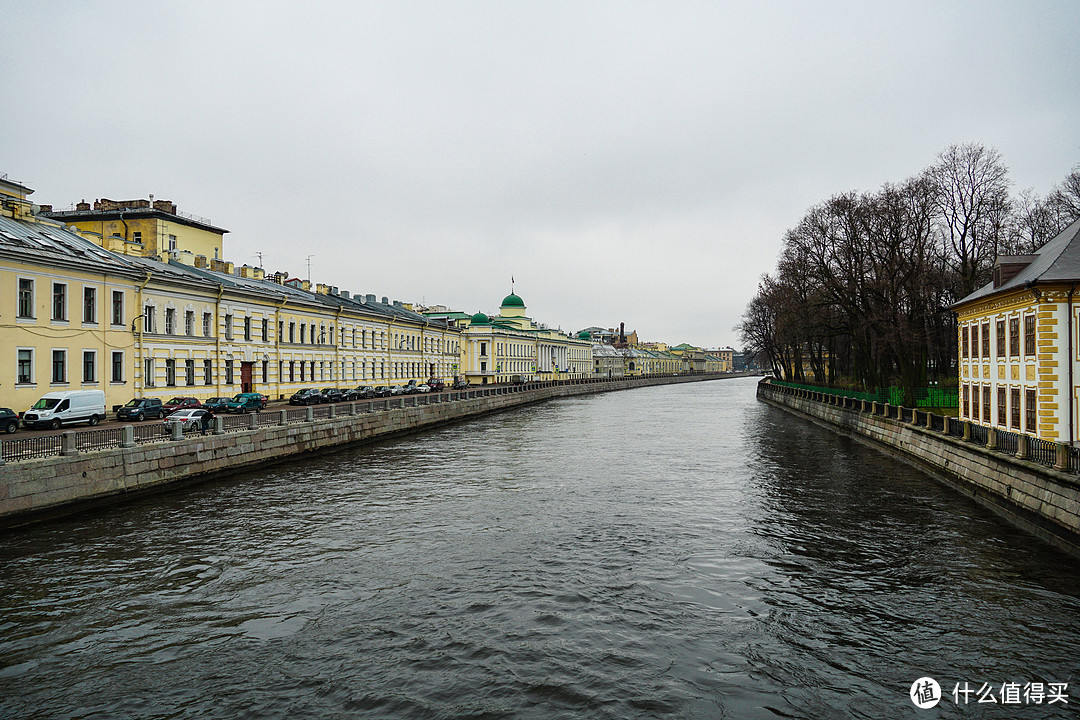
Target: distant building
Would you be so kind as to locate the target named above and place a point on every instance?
(511, 347)
(1018, 343)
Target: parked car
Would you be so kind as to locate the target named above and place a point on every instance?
(333, 395)
(180, 403)
(9, 420)
(460, 385)
(364, 392)
(190, 417)
(408, 388)
(307, 396)
(244, 402)
(66, 406)
(423, 388)
(139, 409)
(216, 404)
(263, 399)
(383, 391)
(396, 390)
(436, 384)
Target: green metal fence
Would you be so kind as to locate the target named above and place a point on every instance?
(894, 395)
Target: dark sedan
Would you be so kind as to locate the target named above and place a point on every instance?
(307, 396)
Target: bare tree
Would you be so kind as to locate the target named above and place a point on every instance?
(973, 208)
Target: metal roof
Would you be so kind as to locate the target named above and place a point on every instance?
(1056, 261)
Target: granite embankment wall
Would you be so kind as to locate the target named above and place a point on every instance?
(1042, 500)
(38, 489)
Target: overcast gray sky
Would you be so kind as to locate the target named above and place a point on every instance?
(623, 161)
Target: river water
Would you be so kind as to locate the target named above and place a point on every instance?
(667, 552)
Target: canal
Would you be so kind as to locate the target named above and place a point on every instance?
(669, 552)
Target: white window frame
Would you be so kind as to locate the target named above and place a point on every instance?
(18, 298)
(112, 364)
(52, 368)
(32, 378)
(92, 354)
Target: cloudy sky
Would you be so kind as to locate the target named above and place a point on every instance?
(622, 161)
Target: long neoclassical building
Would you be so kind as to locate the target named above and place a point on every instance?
(151, 308)
(511, 347)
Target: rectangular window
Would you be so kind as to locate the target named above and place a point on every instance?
(26, 298)
(148, 372)
(189, 371)
(483, 348)
(1014, 337)
(207, 324)
(25, 367)
(89, 312)
(208, 372)
(266, 371)
(118, 366)
(149, 318)
(137, 236)
(172, 243)
(1029, 335)
(228, 327)
(1014, 396)
(59, 301)
(292, 332)
(1030, 406)
(117, 307)
(303, 370)
(170, 372)
(986, 340)
(59, 366)
(189, 322)
(1000, 339)
(292, 371)
(89, 366)
(986, 405)
(266, 330)
(170, 321)
(303, 328)
(228, 372)
(247, 328)
(1002, 419)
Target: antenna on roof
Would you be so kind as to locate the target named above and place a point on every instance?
(309, 267)
(259, 255)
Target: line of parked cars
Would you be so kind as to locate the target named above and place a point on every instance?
(65, 407)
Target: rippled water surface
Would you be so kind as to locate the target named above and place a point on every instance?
(666, 552)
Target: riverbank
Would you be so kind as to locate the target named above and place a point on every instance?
(38, 489)
(1044, 501)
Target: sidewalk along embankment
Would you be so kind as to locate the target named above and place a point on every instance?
(1031, 483)
(40, 488)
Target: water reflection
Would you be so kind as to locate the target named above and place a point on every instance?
(664, 552)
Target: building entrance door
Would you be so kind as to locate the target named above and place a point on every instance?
(245, 377)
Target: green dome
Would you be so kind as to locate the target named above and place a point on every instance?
(513, 300)
(584, 335)
(480, 319)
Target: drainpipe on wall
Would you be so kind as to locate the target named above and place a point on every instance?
(1071, 390)
(139, 336)
(217, 340)
(277, 343)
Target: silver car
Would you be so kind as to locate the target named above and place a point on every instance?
(190, 417)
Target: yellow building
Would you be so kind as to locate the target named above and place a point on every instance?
(147, 228)
(66, 311)
(512, 347)
(161, 324)
(1018, 344)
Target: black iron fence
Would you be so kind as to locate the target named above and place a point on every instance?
(1043, 452)
(27, 448)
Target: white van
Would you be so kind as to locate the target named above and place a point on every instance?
(69, 406)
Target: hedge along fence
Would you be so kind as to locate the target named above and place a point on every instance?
(894, 395)
(1025, 447)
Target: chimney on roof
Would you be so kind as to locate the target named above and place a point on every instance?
(1006, 267)
(371, 297)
